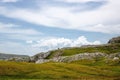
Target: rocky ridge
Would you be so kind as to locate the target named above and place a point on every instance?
(82, 56)
(114, 40)
(40, 56)
(43, 56)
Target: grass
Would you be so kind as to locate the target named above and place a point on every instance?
(95, 69)
(76, 70)
(108, 49)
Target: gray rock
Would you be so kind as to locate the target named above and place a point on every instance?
(19, 59)
(114, 40)
(42, 60)
(9, 56)
(39, 56)
(115, 58)
(112, 56)
(80, 56)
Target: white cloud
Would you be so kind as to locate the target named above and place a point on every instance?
(111, 29)
(24, 37)
(17, 48)
(54, 43)
(2, 25)
(29, 41)
(12, 28)
(33, 47)
(14, 32)
(7, 1)
(79, 1)
(64, 17)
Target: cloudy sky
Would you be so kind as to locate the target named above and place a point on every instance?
(32, 26)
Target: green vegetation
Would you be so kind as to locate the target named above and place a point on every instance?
(108, 49)
(83, 69)
(55, 53)
(99, 68)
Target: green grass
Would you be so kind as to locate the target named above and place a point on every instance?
(108, 49)
(76, 70)
(96, 69)
(52, 53)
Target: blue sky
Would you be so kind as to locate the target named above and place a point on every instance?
(32, 26)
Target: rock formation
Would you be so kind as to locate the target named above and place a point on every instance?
(11, 56)
(82, 56)
(19, 59)
(57, 56)
(39, 56)
(114, 40)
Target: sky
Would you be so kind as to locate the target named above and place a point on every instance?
(29, 27)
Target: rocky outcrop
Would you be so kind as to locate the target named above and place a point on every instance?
(19, 59)
(58, 58)
(114, 40)
(82, 56)
(43, 60)
(113, 56)
(57, 54)
(39, 56)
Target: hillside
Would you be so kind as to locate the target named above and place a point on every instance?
(9, 56)
(112, 48)
(90, 62)
(107, 48)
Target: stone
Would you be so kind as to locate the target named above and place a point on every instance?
(114, 40)
(80, 56)
(39, 56)
(115, 58)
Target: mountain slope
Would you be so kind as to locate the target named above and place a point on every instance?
(107, 48)
(112, 48)
(9, 56)
(101, 62)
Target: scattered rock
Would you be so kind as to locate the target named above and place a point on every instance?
(112, 56)
(42, 60)
(19, 59)
(10, 56)
(115, 58)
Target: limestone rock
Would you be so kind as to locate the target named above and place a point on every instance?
(39, 56)
(80, 56)
(42, 60)
(19, 59)
(113, 56)
(114, 40)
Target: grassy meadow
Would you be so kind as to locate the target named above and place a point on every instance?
(96, 69)
(77, 70)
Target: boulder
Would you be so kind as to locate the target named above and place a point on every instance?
(39, 56)
(114, 40)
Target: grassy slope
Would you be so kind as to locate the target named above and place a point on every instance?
(113, 48)
(76, 70)
(84, 69)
